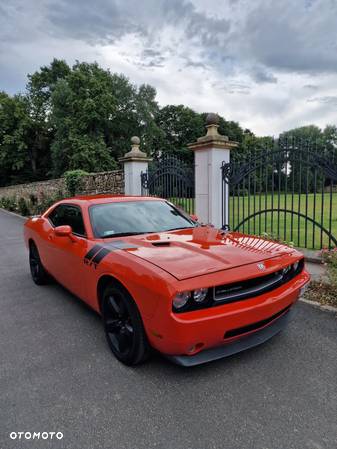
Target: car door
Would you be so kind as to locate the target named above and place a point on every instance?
(65, 255)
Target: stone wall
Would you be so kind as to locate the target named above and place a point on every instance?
(103, 182)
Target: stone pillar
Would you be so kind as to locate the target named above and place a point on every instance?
(135, 162)
(209, 153)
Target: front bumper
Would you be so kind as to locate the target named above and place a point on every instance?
(215, 332)
(249, 341)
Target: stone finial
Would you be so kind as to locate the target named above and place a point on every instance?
(135, 152)
(212, 137)
(212, 125)
(212, 119)
(135, 140)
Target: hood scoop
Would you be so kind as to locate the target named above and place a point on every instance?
(161, 243)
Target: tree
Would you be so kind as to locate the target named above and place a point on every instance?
(180, 125)
(39, 89)
(95, 113)
(83, 110)
(14, 135)
(150, 133)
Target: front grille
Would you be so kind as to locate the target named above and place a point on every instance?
(252, 327)
(238, 291)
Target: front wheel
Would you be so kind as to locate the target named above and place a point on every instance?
(123, 326)
(39, 274)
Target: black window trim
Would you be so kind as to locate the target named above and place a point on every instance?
(84, 236)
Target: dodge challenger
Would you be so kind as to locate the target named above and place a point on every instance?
(161, 280)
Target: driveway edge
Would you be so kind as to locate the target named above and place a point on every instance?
(13, 213)
(325, 307)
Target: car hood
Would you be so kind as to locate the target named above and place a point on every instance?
(194, 252)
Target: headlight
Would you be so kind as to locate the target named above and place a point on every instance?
(296, 264)
(180, 300)
(200, 294)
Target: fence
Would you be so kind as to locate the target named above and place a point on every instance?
(287, 191)
(171, 178)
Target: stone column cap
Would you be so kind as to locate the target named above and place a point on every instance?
(212, 138)
(135, 154)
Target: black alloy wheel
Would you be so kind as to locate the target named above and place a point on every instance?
(39, 274)
(123, 326)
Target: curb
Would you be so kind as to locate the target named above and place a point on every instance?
(318, 305)
(13, 213)
(312, 259)
(310, 255)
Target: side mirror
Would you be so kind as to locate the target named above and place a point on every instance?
(65, 231)
(194, 217)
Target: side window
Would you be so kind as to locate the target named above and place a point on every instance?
(66, 214)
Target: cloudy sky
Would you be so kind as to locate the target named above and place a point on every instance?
(269, 64)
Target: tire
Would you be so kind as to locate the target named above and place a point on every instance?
(123, 326)
(39, 274)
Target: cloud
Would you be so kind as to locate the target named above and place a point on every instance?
(329, 100)
(256, 62)
(293, 36)
(261, 75)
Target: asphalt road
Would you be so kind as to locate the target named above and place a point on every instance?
(57, 374)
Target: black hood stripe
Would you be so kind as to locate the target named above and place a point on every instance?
(90, 254)
(97, 253)
(100, 255)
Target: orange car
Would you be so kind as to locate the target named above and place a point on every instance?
(159, 279)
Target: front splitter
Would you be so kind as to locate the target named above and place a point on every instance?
(254, 339)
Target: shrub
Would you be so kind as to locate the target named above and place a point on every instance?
(74, 181)
(33, 199)
(8, 203)
(23, 207)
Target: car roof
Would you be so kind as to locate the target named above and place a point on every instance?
(101, 199)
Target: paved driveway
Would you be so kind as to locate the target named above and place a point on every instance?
(57, 374)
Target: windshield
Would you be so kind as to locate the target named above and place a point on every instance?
(136, 217)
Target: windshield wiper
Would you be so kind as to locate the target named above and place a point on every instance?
(176, 229)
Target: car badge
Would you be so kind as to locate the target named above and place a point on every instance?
(261, 266)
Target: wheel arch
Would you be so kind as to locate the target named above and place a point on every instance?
(103, 282)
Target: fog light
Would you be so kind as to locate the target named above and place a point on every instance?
(195, 348)
(200, 294)
(180, 300)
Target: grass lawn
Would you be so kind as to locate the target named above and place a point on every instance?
(286, 226)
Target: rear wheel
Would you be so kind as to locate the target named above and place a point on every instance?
(123, 326)
(39, 274)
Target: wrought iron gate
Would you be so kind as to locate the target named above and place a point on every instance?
(171, 178)
(287, 191)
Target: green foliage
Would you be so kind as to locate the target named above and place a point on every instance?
(94, 115)
(23, 207)
(33, 206)
(74, 180)
(14, 134)
(8, 203)
(180, 125)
